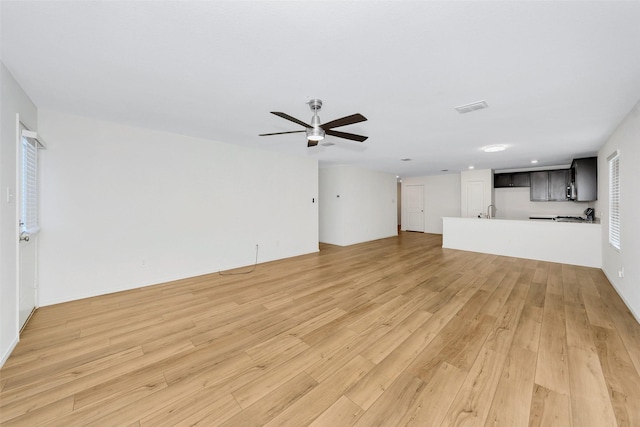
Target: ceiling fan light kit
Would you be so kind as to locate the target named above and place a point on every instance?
(317, 131)
(315, 134)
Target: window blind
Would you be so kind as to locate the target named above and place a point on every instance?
(614, 200)
(29, 212)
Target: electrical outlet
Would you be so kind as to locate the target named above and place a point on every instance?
(621, 272)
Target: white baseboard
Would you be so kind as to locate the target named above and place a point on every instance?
(629, 306)
(6, 355)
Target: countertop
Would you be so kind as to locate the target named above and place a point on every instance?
(566, 219)
(550, 220)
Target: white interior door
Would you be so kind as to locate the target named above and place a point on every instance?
(415, 207)
(28, 146)
(27, 279)
(475, 198)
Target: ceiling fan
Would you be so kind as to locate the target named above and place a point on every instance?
(316, 131)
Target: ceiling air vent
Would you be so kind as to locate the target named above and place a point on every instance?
(467, 108)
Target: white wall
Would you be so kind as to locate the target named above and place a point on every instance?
(441, 199)
(626, 139)
(13, 101)
(124, 207)
(515, 203)
(476, 187)
(356, 205)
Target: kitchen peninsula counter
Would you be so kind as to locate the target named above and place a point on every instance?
(577, 243)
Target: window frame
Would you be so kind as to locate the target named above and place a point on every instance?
(614, 232)
(29, 215)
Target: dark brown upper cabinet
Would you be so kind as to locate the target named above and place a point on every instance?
(516, 179)
(550, 186)
(584, 179)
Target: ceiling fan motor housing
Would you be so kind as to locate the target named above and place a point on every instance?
(315, 132)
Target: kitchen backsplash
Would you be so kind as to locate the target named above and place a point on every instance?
(514, 203)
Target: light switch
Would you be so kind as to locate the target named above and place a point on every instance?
(9, 195)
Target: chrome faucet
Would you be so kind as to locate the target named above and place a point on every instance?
(489, 213)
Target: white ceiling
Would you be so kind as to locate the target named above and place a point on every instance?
(558, 76)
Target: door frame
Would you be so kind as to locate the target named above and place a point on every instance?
(24, 132)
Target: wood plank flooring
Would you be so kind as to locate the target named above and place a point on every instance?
(393, 332)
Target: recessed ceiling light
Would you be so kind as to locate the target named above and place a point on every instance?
(397, 176)
(470, 167)
(494, 148)
(534, 161)
(405, 160)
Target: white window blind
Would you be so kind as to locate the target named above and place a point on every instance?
(614, 200)
(29, 208)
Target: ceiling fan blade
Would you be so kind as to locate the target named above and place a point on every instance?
(281, 133)
(311, 143)
(345, 135)
(293, 119)
(348, 120)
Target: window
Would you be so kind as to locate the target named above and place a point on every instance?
(29, 183)
(614, 200)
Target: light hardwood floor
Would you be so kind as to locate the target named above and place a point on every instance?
(393, 332)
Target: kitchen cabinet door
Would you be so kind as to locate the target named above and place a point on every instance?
(501, 180)
(549, 185)
(516, 179)
(539, 186)
(558, 182)
(584, 174)
(520, 179)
